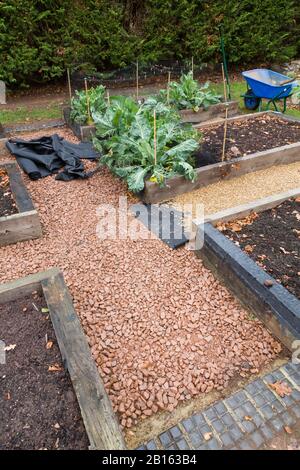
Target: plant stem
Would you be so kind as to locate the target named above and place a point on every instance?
(154, 137)
(87, 101)
(168, 88)
(226, 113)
(69, 84)
(192, 66)
(137, 80)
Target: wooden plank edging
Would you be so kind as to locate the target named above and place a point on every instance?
(100, 421)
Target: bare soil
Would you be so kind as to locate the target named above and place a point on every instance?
(7, 203)
(273, 241)
(39, 409)
(245, 137)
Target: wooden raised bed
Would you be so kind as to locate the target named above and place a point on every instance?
(276, 307)
(100, 422)
(25, 225)
(84, 133)
(236, 167)
(213, 112)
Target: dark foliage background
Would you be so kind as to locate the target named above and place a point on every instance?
(39, 38)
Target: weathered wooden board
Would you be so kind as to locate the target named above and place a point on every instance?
(214, 111)
(243, 210)
(99, 418)
(100, 421)
(25, 225)
(210, 174)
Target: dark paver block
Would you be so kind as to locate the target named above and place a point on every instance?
(151, 445)
(226, 439)
(175, 432)
(257, 438)
(182, 444)
(188, 424)
(165, 438)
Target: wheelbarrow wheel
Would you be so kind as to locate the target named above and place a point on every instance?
(251, 101)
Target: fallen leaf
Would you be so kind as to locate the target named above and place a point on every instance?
(7, 396)
(297, 199)
(49, 344)
(55, 368)
(288, 430)
(45, 310)
(281, 388)
(11, 347)
(268, 283)
(207, 436)
(284, 251)
(57, 426)
(248, 418)
(248, 248)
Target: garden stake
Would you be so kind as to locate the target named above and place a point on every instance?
(154, 136)
(69, 84)
(226, 113)
(137, 80)
(89, 119)
(108, 97)
(168, 88)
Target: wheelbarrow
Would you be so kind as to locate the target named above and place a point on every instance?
(269, 85)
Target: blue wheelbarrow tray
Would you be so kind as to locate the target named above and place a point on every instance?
(269, 85)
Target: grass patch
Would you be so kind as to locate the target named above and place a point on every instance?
(238, 88)
(27, 114)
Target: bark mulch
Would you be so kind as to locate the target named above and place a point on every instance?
(7, 203)
(272, 239)
(39, 409)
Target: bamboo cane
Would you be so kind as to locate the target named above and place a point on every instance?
(154, 137)
(137, 80)
(89, 119)
(168, 88)
(226, 113)
(69, 84)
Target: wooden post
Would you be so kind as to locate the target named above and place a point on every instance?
(69, 84)
(89, 119)
(226, 113)
(168, 88)
(137, 80)
(154, 137)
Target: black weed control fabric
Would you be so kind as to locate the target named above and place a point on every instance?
(47, 155)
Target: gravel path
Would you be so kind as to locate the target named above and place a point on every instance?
(161, 327)
(247, 188)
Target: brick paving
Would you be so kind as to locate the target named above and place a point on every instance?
(248, 419)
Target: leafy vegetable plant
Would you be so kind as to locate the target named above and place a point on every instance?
(188, 94)
(97, 103)
(126, 135)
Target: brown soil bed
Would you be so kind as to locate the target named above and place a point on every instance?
(162, 330)
(272, 239)
(39, 409)
(7, 203)
(245, 137)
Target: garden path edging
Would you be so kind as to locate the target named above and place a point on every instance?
(25, 225)
(278, 309)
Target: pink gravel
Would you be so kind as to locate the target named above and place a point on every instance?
(162, 329)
